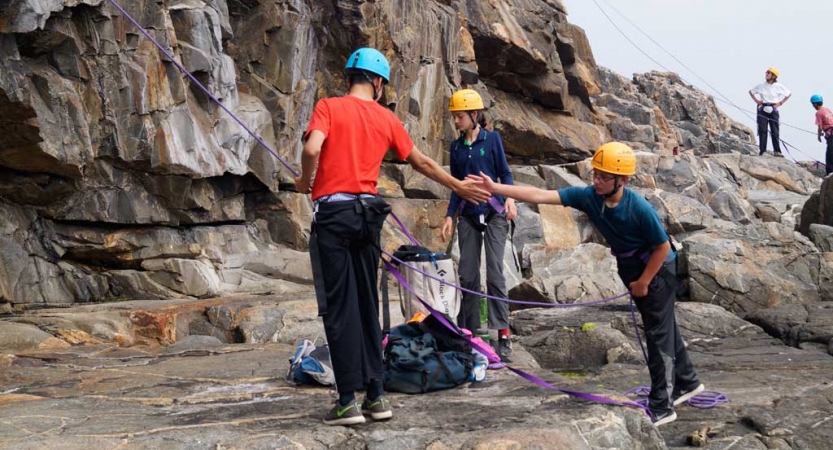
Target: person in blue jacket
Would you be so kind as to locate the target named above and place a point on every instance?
(478, 150)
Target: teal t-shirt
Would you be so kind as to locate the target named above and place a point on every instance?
(632, 225)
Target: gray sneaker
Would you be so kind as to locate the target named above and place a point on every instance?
(378, 409)
(345, 415)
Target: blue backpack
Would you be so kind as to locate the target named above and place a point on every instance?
(310, 365)
(414, 364)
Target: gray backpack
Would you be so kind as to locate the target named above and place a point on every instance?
(439, 294)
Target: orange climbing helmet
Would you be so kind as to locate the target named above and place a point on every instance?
(465, 100)
(615, 158)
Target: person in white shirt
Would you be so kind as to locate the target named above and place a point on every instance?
(769, 97)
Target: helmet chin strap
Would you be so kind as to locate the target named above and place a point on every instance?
(616, 187)
(474, 123)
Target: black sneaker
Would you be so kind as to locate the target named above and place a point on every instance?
(666, 417)
(378, 409)
(504, 348)
(345, 415)
(684, 395)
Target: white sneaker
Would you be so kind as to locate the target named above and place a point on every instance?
(687, 395)
(668, 417)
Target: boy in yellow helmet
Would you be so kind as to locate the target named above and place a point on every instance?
(642, 248)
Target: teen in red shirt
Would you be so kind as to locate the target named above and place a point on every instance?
(347, 138)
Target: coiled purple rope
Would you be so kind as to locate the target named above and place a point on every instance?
(704, 400)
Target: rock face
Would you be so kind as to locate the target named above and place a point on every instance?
(799, 325)
(658, 112)
(122, 179)
(572, 275)
(755, 267)
(104, 138)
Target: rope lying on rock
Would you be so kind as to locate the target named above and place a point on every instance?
(704, 400)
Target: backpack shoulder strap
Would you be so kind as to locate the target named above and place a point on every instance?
(385, 302)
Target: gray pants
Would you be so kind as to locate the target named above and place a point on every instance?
(471, 242)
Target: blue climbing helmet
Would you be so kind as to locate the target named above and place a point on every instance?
(816, 99)
(369, 60)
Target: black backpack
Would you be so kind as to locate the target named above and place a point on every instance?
(415, 364)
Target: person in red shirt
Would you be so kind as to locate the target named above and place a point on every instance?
(824, 121)
(347, 139)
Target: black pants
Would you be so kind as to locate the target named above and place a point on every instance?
(668, 360)
(828, 160)
(773, 120)
(471, 238)
(344, 250)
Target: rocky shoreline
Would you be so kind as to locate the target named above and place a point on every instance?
(153, 266)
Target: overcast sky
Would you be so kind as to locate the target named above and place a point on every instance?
(730, 44)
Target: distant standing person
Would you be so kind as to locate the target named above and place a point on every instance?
(770, 96)
(824, 120)
(478, 150)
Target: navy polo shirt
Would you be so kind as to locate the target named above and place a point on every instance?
(485, 154)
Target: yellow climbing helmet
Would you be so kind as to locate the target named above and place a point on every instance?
(615, 158)
(774, 71)
(465, 100)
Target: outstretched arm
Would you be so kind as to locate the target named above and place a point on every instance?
(523, 193)
(428, 167)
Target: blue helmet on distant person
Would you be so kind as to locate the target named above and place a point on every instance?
(369, 60)
(816, 99)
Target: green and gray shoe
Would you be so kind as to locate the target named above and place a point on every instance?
(378, 409)
(345, 415)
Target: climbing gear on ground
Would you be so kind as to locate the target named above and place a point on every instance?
(369, 60)
(439, 294)
(416, 363)
(310, 365)
(465, 100)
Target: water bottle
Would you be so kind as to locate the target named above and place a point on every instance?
(478, 372)
(484, 312)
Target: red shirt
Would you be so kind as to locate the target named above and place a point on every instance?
(824, 118)
(358, 134)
